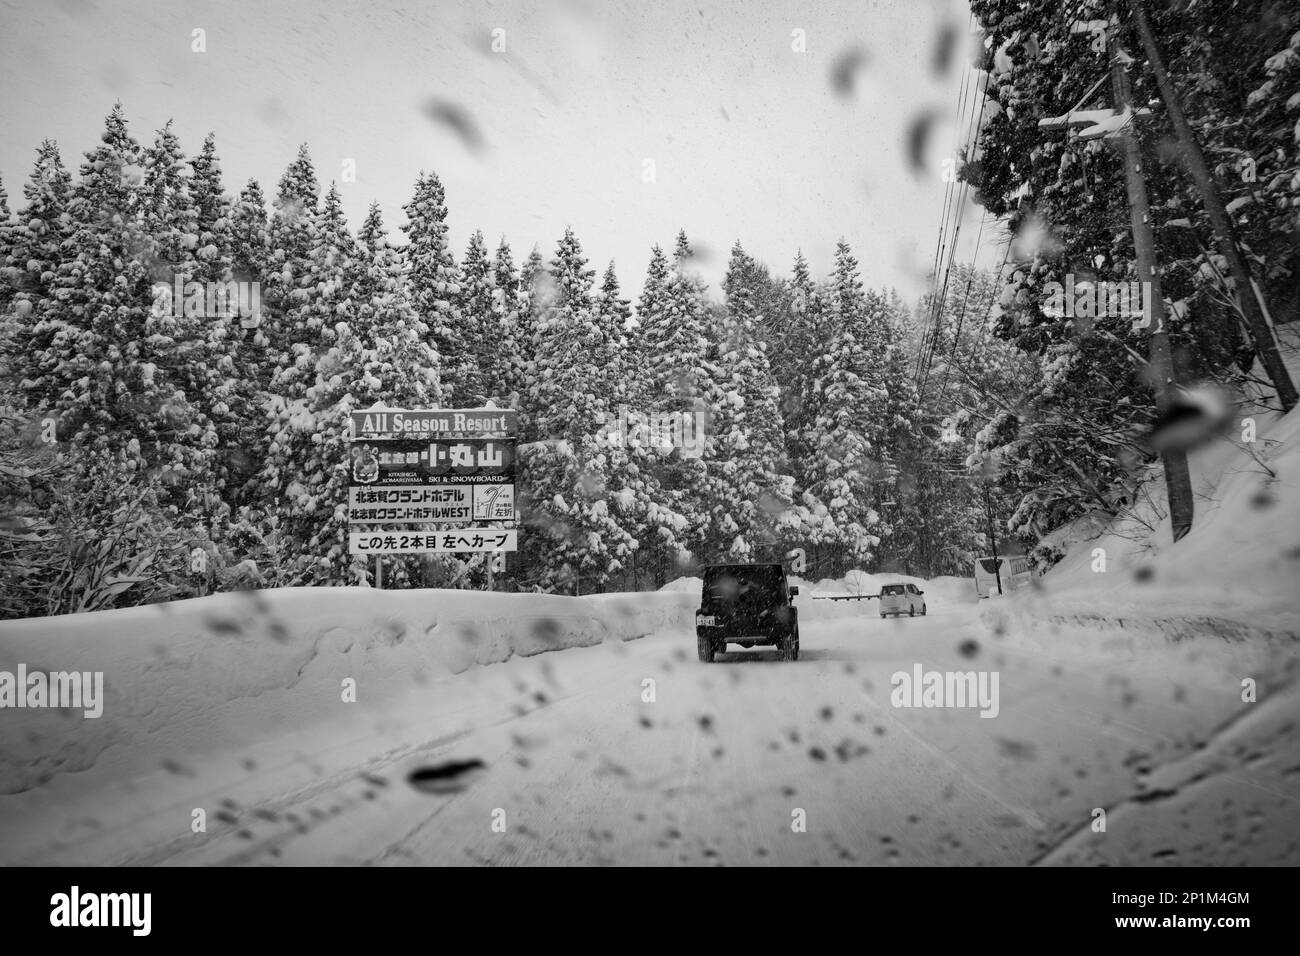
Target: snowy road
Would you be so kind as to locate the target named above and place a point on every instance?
(727, 759)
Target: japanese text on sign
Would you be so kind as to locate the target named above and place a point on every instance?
(406, 504)
(469, 539)
(477, 460)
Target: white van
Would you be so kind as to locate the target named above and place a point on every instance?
(899, 599)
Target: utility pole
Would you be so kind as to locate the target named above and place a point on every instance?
(1160, 361)
(993, 536)
(1248, 294)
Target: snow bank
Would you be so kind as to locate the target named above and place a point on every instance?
(192, 675)
(1231, 579)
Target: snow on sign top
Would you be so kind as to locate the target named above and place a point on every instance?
(434, 422)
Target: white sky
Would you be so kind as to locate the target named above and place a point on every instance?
(748, 138)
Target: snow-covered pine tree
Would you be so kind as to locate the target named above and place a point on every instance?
(534, 290)
(255, 360)
(371, 239)
(172, 216)
(615, 311)
(231, 396)
(376, 353)
(216, 241)
(189, 336)
(435, 287)
(305, 451)
(287, 261)
(324, 298)
(796, 337)
(478, 304)
(249, 238)
(897, 412)
(249, 261)
(570, 321)
(651, 303)
(576, 540)
(97, 357)
(749, 490)
(6, 245)
(534, 283)
(901, 433)
(514, 326)
(287, 293)
(396, 355)
(673, 346)
(940, 514)
(848, 415)
(9, 273)
(34, 240)
(793, 347)
(662, 530)
(643, 505)
(677, 337)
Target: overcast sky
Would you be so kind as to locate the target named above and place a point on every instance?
(748, 138)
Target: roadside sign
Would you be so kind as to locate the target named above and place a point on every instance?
(432, 542)
(417, 504)
(432, 466)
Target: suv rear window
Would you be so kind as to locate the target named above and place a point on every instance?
(892, 589)
(747, 583)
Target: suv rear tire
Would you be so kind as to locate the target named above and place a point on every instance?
(706, 649)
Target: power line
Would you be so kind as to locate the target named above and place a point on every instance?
(949, 189)
(940, 243)
(938, 302)
(988, 314)
(961, 312)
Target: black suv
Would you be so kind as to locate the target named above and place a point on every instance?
(747, 604)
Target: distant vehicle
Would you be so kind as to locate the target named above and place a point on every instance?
(899, 599)
(747, 604)
(1012, 570)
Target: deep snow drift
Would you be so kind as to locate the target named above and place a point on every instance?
(215, 672)
(1233, 577)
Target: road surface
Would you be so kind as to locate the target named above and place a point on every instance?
(636, 753)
